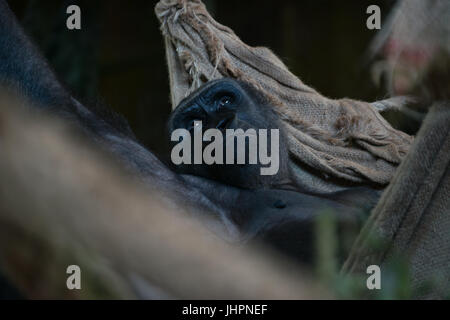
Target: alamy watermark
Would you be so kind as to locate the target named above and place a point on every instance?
(73, 22)
(374, 280)
(74, 280)
(235, 147)
(374, 20)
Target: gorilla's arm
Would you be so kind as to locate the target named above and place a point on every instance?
(25, 71)
(22, 67)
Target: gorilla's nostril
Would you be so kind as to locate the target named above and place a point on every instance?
(225, 123)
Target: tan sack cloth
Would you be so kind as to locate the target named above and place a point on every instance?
(412, 217)
(344, 139)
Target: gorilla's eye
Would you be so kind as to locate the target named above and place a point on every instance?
(224, 101)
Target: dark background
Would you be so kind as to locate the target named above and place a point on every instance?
(118, 55)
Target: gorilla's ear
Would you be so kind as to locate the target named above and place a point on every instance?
(394, 103)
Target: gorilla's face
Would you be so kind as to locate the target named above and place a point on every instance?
(229, 104)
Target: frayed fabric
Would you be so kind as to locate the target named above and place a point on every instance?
(345, 139)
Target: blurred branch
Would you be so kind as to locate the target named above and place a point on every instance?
(63, 203)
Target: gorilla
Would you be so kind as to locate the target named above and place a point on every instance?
(249, 206)
(228, 104)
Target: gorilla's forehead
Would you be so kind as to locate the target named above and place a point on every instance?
(210, 89)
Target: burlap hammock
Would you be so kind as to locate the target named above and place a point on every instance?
(345, 139)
